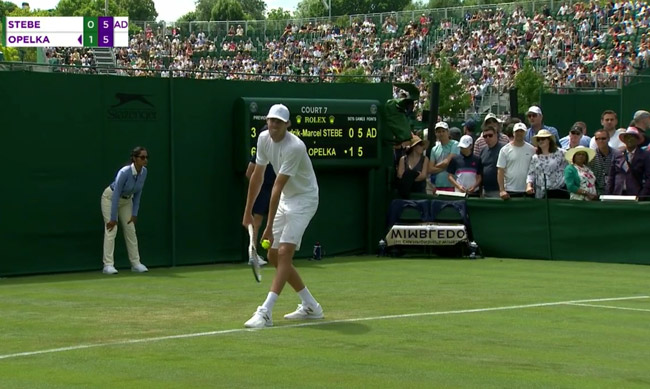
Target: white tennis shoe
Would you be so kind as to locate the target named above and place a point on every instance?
(108, 269)
(261, 318)
(139, 268)
(306, 312)
(260, 261)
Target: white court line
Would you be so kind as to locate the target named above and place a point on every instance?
(312, 323)
(611, 307)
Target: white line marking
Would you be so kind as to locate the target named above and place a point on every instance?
(611, 307)
(313, 323)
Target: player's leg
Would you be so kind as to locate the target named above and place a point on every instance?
(297, 221)
(109, 236)
(125, 212)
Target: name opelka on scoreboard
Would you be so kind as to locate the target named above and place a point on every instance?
(67, 31)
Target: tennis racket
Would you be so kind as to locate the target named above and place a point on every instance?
(252, 255)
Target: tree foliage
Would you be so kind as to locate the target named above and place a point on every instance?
(188, 17)
(227, 10)
(254, 9)
(6, 7)
(454, 98)
(204, 9)
(530, 86)
(316, 8)
(142, 10)
(278, 14)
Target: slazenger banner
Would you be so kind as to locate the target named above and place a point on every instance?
(426, 235)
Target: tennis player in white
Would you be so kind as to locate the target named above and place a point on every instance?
(294, 200)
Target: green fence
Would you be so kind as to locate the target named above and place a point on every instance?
(561, 229)
(65, 136)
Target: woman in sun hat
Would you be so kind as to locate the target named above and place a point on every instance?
(580, 180)
(546, 169)
(412, 169)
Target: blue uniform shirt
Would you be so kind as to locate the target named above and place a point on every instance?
(128, 183)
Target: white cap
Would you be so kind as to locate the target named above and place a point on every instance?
(491, 116)
(465, 141)
(442, 125)
(535, 109)
(279, 111)
(519, 127)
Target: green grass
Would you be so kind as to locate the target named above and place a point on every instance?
(363, 342)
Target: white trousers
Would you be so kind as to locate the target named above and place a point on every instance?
(125, 208)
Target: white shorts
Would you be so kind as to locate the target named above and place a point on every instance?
(292, 219)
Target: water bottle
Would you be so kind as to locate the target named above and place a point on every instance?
(381, 251)
(473, 248)
(318, 252)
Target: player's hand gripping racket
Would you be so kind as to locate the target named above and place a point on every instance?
(252, 255)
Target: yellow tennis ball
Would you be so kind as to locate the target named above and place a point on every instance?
(266, 244)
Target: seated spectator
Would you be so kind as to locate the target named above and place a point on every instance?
(412, 169)
(576, 137)
(546, 170)
(465, 170)
(514, 160)
(240, 30)
(580, 180)
(630, 171)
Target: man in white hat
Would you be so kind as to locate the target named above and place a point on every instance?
(536, 120)
(294, 200)
(514, 160)
(629, 173)
(441, 155)
(465, 170)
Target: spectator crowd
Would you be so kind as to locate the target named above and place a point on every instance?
(580, 45)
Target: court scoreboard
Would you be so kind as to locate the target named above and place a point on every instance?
(66, 31)
(336, 132)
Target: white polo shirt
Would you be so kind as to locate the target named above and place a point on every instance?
(289, 157)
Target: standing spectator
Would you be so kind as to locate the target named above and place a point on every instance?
(536, 120)
(602, 162)
(465, 170)
(489, 156)
(642, 123)
(580, 180)
(441, 154)
(546, 170)
(576, 137)
(514, 160)
(630, 170)
(490, 120)
(469, 127)
(455, 133)
(412, 169)
(609, 121)
(121, 199)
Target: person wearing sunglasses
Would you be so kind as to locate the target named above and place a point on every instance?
(536, 120)
(602, 161)
(121, 201)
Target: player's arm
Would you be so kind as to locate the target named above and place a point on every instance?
(256, 179)
(278, 186)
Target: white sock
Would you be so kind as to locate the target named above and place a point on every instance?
(270, 301)
(307, 298)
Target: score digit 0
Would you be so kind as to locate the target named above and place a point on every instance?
(359, 132)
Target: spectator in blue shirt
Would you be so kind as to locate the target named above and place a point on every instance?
(536, 120)
(576, 137)
(121, 200)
